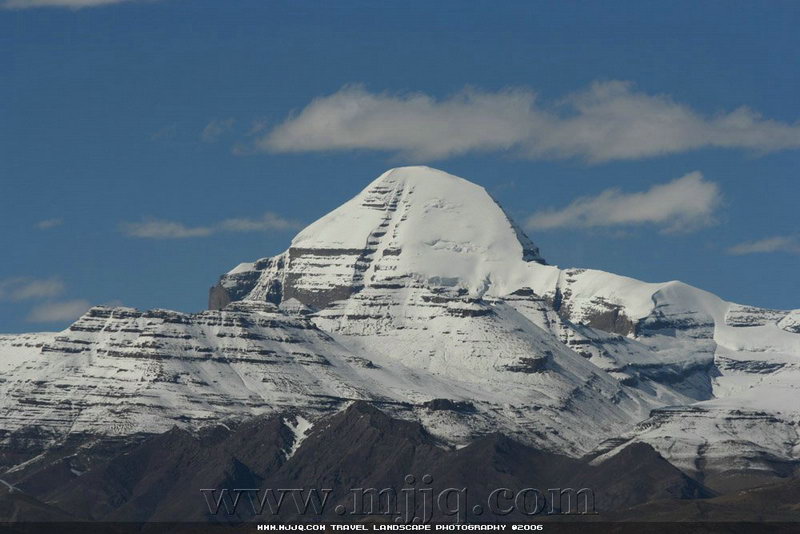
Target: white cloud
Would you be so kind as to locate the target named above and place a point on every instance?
(73, 4)
(216, 129)
(682, 204)
(23, 288)
(46, 224)
(268, 221)
(52, 312)
(163, 229)
(27, 288)
(607, 121)
(790, 244)
(415, 124)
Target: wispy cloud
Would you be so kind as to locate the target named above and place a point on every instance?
(268, 221)
(44, 290)
(607, 121)
(46, 224)
(216, 129)
(790, 244)
(53, 312)
(683, 204)
(28, 288)
(165, 229)
(73, 4)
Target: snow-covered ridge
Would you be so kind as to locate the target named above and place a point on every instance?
(417, 225)
(366, 268)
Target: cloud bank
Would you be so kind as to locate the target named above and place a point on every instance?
(790, 244)
(165, 229)
(683, 204)
(607, 121)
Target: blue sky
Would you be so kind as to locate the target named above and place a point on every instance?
(146, 147)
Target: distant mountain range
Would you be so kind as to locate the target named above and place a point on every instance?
(413, 329)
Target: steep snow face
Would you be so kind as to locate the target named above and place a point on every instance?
(412, 222)
(442, 226)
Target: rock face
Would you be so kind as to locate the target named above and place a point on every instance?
(421, 296)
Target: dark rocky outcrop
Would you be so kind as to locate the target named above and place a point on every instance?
(161, 477)
(638, 474)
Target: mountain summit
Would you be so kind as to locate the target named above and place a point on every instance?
(425, 210)
(410, 222)
(434, 216)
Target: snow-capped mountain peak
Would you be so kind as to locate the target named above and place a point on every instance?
(432, 214)
(421, 294)
(411, 222)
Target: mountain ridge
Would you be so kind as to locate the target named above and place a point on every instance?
(422, 288)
